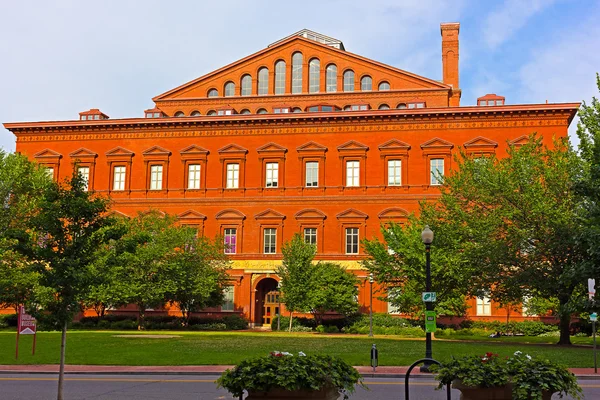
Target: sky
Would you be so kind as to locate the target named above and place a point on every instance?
(61, 57)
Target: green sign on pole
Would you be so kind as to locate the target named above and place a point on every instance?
(430, 324)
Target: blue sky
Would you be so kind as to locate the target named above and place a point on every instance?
(62, 57)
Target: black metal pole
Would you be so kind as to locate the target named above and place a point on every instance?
(371, 307)
(279, 309)
(594, 334)
(428, 307)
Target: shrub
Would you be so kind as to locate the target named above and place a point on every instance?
(527, 328)
(124, 325)
(296, 322)
(215, 326)
(327, 329)
(8, 320)
(235, 322)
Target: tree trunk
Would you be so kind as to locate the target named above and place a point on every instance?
(61, 372)
(291, 315)
(565, 323)
(141, 312)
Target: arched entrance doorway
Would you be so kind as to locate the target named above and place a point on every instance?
(266, 302)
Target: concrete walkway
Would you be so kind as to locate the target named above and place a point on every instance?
(391, 372)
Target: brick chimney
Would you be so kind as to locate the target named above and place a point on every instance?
(449, 33)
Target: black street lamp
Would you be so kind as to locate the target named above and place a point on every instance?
(427, 238)
(371, 305)
(278, 305)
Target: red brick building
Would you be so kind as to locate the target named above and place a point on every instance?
(300, 137)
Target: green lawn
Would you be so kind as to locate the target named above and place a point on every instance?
(202, 348)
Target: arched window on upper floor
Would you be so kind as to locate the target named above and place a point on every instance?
(245, 111)
(211, 112)
(401, 106)
(246, 85)
(349, 81)
(331, 78)
(296, 110)
(384, 107)
(384, 86)
(366, 83)
(195, 113)
(297, 60)
(314, 75)
(213, 93)
(263, 81)
(179, 114)
(229, 89)
(261, 111)
(280, 77)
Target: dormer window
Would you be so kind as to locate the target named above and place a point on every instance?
(491, 99)
(281, 110)
(154, 113)
(357, 107)
(416, 104)
(92, 114)
(179, 114)
(226, 111)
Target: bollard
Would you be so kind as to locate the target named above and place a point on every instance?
(374, 357)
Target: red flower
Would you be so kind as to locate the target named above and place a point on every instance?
(488, 355)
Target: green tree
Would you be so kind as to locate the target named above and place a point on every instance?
(398, 265)
(518, 221)
(63, 235)
(331, 289)
(196, 271)
(295, 274)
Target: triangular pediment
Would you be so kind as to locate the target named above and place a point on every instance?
(47, 153)
(119, 151)
(193, 150)
(352, 213)
(311, 146)
(232, 148)
(82, 152)
(353, 145)
(480, 141)
(191, 214)
(154, 212)
(437, 143)
(393, 213)
(198, 88)
(310, 213)
(271, 148)
(156, 151)
(230, 214)
(394, 144)
(520, 141)
(269, 214)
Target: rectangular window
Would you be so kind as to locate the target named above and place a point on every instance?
(392, 294)
(310, 235)
(156, 177)
(436, 166)
(394, 173)
(119, 178)
(84, 172)
(484, 305)
(233, 176)
(272, 174)
(227, 299)
(352, 171)
(193, 176)
(351, 240)
(50, 172)
(270, 236)
(230, 240)
(312, 174)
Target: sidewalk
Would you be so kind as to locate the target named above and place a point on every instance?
(381, 372)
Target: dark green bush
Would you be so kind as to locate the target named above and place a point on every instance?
(8, 320)
(235, 322)
(124, 325)
(215, 326)
(327, 329)
(527, 328)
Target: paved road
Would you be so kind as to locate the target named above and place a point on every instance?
(186, 387)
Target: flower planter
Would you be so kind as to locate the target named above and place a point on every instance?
(489, 393)
(282, 394)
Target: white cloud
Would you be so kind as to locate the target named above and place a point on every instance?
(505, 21)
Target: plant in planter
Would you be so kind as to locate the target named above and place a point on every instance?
(282, 375)
(519, 377)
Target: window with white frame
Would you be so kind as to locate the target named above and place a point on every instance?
(272, 174)
(230, 237)
(297, 60)
(312, 174)
(310, 235)
(366, 83)
(50, 172)
(331, 78)
(228, 299)
(246, 85)
(352, 173)
(263, 81)
(156, 177)
(193, 176)
(84, 173)
(229, 89)
(351, 240)
(436, 168)
(349, 81)
(314, 75)
(394, 172)
(119, 178)
(270, 240)
(484, 305)
(280, 77)
(233, 176)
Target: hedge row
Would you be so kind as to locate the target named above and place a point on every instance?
(163, 322)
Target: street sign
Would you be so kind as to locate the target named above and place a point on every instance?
(27, 324)
(429, 297)
(593, 317)
(430, 323)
